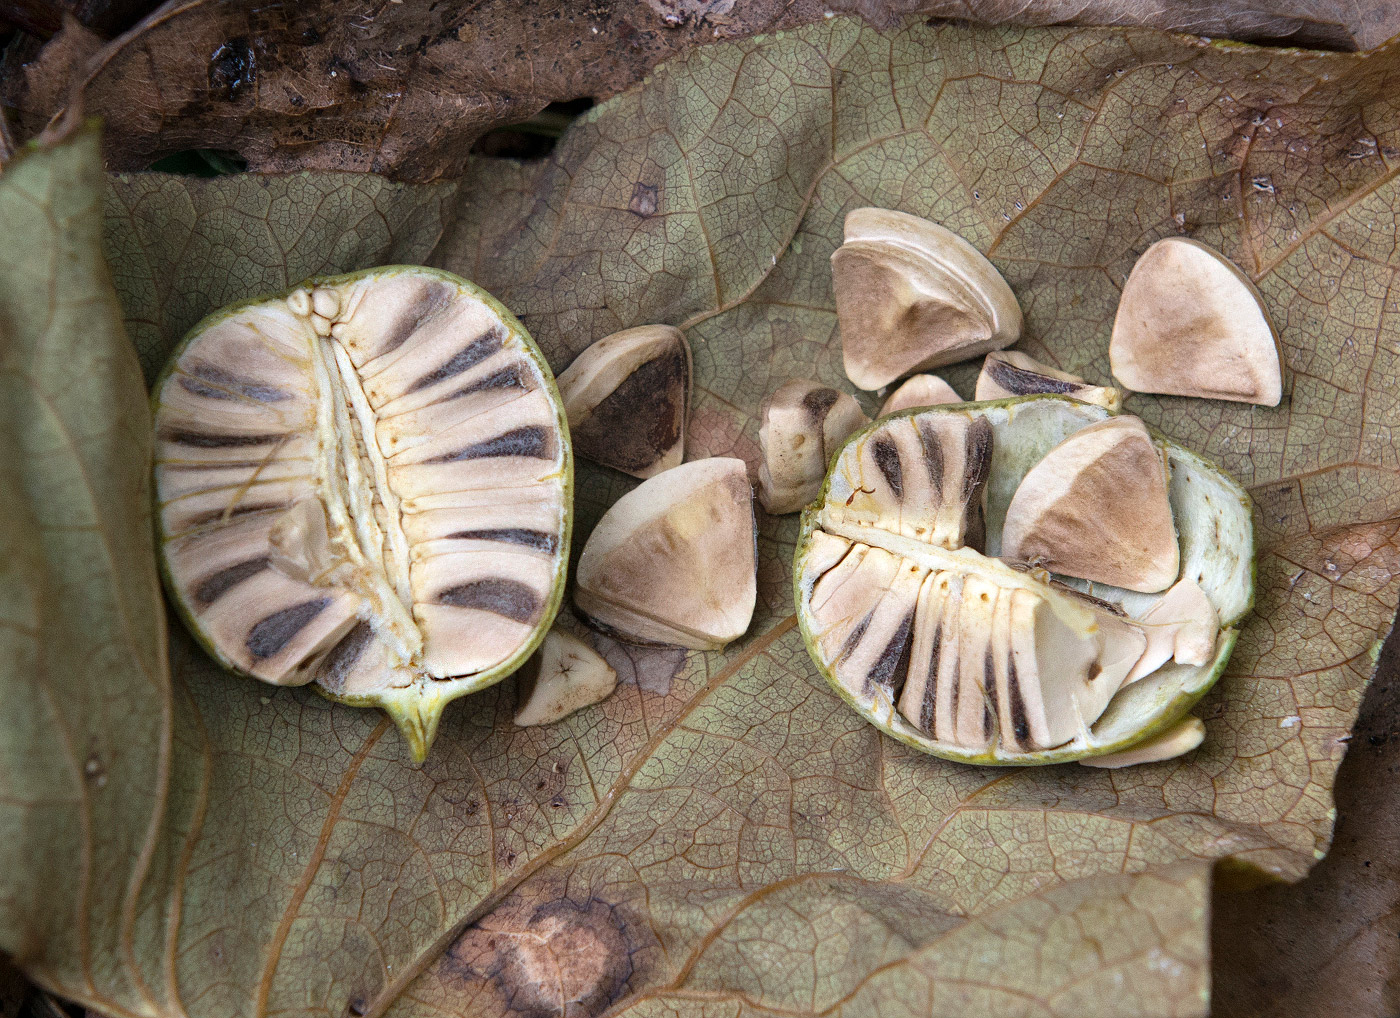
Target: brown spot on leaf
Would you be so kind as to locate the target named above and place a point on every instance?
(570, 956)
(643, 201)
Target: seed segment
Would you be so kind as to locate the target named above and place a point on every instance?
(912, 295)
(364, 484)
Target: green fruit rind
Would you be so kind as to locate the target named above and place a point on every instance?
(416, 709)
(1161, 717)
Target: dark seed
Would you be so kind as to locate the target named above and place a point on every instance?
(892, 667)
(242, 509)
(933, 454)
(857, 634)
(536, 539)
(887, 459)
(220, 583)
(989, 684)
(1021, 382)
(435, 296)
(213, 382)
(508, 598)
(978, 457)
(505, 378)
(336, 665)
(818, 404)
(273, 633)
(532, 442)
(215, 440)
(468, 357)
(1019, 724)
(928, 709)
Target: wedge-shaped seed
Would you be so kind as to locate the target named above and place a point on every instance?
(365, 483)
(911, 295)
(1190, 323)
(628, 399)
(1177, 741)
(1012, 373)
(565, 675)
(802, 424)
(1183, 626)
(674, 560)
(1096, 507)
(917, 391)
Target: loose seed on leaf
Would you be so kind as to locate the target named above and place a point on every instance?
(564, 675)
(1096, 508)
(911, 295)
(802, 423)
(1190, 323)
(917, 391)
(628, 399)
(365, 483)
(674, 560)
(1012, 373)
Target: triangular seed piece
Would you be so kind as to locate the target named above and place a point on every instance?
(563, 676)
(917, 391)
(802, 424)
(1190, 323)
(628, 399)
(1096, 507)
(673, 561)
(911, 295)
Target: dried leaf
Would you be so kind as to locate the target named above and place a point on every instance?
(85, 755)
(723, 834)
(404, 88)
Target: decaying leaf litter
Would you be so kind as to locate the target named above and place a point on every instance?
(1283, 708)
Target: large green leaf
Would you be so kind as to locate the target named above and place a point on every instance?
(724, 835)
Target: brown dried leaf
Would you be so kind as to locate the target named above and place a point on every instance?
(404, 88)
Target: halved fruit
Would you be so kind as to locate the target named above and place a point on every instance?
(979, 660)
(365, 482)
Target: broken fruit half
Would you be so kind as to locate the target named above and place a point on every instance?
(1012, 373)
(911, 295)
(563, 676)
(674, 561)
(628, 399)
(1096, 508)
(802, 424)
(968, 657)
(917, 391)
(365, 483)
(1190, 323)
